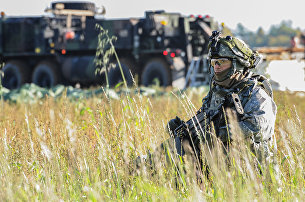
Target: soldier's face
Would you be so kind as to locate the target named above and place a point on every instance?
(221, 64)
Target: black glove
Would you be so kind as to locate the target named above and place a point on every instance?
(173, 124)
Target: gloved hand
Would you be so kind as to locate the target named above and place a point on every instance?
(173, 124)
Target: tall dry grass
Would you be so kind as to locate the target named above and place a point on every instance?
(86, 150)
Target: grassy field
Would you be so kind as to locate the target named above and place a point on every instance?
(85, 150)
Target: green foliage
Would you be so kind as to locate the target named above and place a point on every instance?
(261, 39)
(281, 40)
(284, 28)
(104, 54)
(278, 35)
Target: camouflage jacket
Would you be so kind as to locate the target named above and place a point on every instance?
(259, 110)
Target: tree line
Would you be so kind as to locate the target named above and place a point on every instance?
(277, 35)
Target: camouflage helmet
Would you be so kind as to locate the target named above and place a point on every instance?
(233, 48)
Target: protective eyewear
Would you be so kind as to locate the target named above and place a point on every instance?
(220, 61)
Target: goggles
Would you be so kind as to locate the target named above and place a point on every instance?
(220, 61)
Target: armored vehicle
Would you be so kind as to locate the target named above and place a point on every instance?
(61, 47)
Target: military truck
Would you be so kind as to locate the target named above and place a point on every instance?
(61, 47)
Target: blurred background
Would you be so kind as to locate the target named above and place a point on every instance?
(238, 15)
(275, 29)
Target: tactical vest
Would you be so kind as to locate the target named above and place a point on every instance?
(214, 105)
(218, 95)
(220, 99)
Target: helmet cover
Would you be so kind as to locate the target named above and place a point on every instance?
(233, 48)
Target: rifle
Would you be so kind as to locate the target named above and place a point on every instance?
(193, 130)
(196, 129)
(199, 124)
(194, 126)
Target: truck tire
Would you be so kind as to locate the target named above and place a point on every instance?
(115, 75)
(46, 74)
(156, 72)
(16, 74)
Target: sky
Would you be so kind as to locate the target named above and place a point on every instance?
(252, 14)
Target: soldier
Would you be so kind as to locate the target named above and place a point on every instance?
(236, 90)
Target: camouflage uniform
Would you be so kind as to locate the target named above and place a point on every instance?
(258, 117)
(249, 99)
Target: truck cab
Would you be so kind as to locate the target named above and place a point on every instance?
(66, 47)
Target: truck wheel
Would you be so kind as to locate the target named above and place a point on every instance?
(115, 75)
(46, 74)
(15, 75)
(156, 72)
